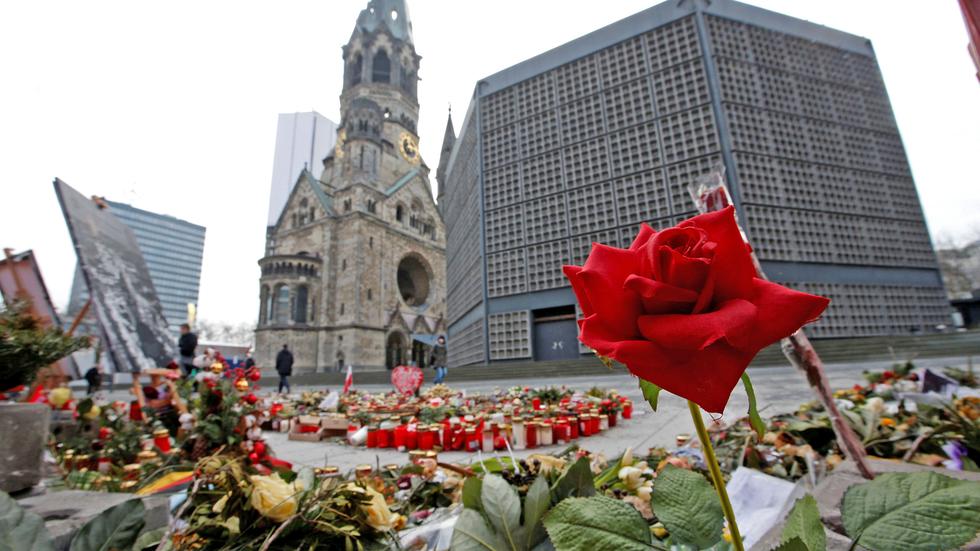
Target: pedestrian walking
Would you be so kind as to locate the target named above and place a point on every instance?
(187, 344)
(284, 366)
(94, 379)
(438, 360)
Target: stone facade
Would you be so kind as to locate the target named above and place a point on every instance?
(355, 271)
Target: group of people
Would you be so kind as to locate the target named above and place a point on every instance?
(189, 362)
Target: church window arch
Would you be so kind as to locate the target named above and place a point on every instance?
(381, 67)
(400, 213)
(300, 304)
(312, 213)
(280, 306)
(356, 67)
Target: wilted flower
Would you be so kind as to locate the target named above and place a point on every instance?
(379, 516)
(273, 497)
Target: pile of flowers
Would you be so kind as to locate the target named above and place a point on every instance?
(443, 419)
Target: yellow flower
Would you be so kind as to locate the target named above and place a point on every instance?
(659, 530)
(887, 422)
(93, 413)
(59, 396)
(273, 497)
(547, 463)
(379, 516)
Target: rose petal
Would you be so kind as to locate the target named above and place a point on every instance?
(681, 271)
(578, 286)
(661, 298)
(642, 236)
(734, 321)
(781, 312)
(706, 378)
(731, 257)
(603, 277)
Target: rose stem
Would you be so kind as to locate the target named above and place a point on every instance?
(712, 462)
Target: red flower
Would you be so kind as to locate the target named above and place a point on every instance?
(683, 308)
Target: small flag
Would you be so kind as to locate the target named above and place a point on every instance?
(349, 379)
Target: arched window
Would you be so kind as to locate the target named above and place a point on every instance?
(302, 296)
(264, 305)
(381, 67)
(280, 306)
(399, 213)
(355, 69)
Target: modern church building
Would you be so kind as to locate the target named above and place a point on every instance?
(584, 142)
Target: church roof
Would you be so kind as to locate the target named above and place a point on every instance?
(448, 140)
(392, 14)
(402, 181)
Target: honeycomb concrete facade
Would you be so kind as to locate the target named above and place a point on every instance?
(354, 271)
(584, 142)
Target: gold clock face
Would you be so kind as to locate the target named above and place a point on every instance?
(409, 148)
(338, 148)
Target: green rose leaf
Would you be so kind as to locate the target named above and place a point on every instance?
(503, 508)
(593, 523)
(912, 511)
(651, 393)
(113, 529)
(793, 544)
(21, 530)
(576, 481)
(758, 425)
(535, 506)
(471, 493)
(687, 505)
(803, 523)
(150, 539)
(471, 533)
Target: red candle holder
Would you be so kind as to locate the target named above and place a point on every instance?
(573, 426)
(384, 438)
(426, 439)
(372, 438)
(627, 410)
(531, 429)
(161, 439)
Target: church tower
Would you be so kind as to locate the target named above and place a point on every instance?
(354, 271)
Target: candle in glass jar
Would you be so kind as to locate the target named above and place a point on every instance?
(161, 439)
(531, 430)
(489, 437)
(545, 436)
(472, 439)
(627, 409)
(520, 435)
(573, 428)
(603, 422)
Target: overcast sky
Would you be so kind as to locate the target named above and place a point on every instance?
(171, 106)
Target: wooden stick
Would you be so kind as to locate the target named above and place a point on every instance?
(79, 317)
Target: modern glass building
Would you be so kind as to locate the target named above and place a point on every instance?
(173, 250)
(303, 140)
(584, 142)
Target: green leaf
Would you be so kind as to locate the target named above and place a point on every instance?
(688, 506)
(502, 507)
(651, 393)
(471, 493)
(803, 523)
(794, 544)
(116, 528)
(758, 425)
(150, 539)
(471, 533)
(912, 511)
(576, 481)
(21, 530)
(590, 524)
(536, 504)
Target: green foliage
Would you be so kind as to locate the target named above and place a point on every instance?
(793, 544)
(576, 481)
(472, 533)
(502, 507)
(589, 524)
(21, 530)
(536, 504)
(491, 518)
(912, 511)
(116, 528)
(758, 425)
(26, 345)
(687, 505)
(803, 524)
(651, 393)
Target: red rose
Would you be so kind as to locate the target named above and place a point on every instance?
(683, 308)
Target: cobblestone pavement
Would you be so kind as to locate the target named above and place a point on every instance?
(778, 390)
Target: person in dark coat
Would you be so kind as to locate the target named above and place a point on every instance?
(187, 344)
(94, 379)
(438, 359)
(249, 361)
(284, 366)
